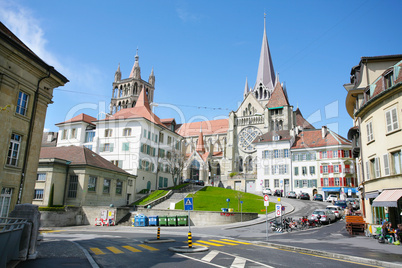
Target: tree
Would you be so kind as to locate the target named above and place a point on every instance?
(239, 196)
(175, 160)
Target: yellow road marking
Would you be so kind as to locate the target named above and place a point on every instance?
(148, 247)
(97, 251)
(209, 243)
(226, 243)
(196, 244)
(115, 250)
(132, 249)
(234, 241)
(49, 231)
(318, 256)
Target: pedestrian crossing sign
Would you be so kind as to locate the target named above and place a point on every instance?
(188, 203)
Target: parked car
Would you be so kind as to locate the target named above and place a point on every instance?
(266, 191)
(318, 197)
(327, 216)
(341, 203)
(354, 201)
(291, 194)
(277, 193)
(304, 196)
(199, 182)
(332, 197)
(338, 211)
(186, 181)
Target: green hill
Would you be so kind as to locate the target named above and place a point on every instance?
(214, 198)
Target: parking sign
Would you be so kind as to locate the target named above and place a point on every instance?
(278, 210)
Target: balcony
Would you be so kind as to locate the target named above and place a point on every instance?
(249, 120)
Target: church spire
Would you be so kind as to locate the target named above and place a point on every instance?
(246, 89)
(266, 73)
(136, 71)
(117, 74)
(200, 143)
(151, 78)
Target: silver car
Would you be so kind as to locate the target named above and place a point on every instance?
(338, 211)
(326, 216)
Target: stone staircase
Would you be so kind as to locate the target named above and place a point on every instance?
(177, 197)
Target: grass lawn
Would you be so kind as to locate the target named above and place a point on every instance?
(214, 198)
(153, 196)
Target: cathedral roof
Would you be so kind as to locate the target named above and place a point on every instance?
(208, 127)
(81, 117)
(278, 97)
(313, 138)
(79, 155)
(140, 110)
(300, 121)
(200, 144)
(266, 73)
(269, 136)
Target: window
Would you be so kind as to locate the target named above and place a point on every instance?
(396, 162)
(119, 187)
(312, 170)
(386, 165)
(297, 183)
(106, 186)
(296, 171)
(127, 132)
(368, 170)
(126, 146)
(266, 183)
(336, 168)
(389, 80)
(41, 177)
(145, 133)
(161, 136)
(313, 183)
(89, 146)
(326, 182)
(169, 140)
(22, 104)
(377, 167)
(286, 153)
(276, 153)
(336, 181)
(73, 133)
(391, 120)
(38, 194)
(335, 154)
(14, 150)
(304, 170)
(89, 136)
(324, 154)
(73, 186)
(64, 134)
(370, 135)
(92, 184)
(305, 183)
(107, 147)
(5, 200)
(117, 163)
(276, 183)
(108, 132)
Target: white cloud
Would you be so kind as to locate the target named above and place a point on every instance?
(185, 16)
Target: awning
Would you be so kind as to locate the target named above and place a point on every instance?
(354, 190)
(371, 194)
(388, 198)
(331, 189)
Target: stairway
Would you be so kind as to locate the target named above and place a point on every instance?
(177, 197)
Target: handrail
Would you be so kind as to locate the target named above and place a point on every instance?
(11, 224)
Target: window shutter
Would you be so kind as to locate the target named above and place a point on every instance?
(321, 169)
(340, 181)
(368, 170)
(388, 120)
(394, 119)
(331, 169)
(322, 182)
(320, 155)
(350, 153)
(340, 168)
(377, 167)
(386, 165)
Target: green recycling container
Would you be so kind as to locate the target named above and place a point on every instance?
(163, 221)
(182, 220)
(172, 220)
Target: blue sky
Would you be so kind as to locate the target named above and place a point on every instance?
(202, 51)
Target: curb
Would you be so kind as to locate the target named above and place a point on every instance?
(186, 249)
(158, 241)
(332, 255)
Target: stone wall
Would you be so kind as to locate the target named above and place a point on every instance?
(200, 218)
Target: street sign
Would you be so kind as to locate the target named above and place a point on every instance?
(188, 203)
(278, 210)
(266, 200)
(349, 192)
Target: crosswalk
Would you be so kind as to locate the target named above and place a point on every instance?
(218, 243)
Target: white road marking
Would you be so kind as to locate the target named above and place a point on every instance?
(194, 259)
(210, 256)
(238, 263)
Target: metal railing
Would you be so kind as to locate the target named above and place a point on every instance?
(10, 238)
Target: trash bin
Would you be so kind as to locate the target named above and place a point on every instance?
(172, 220)
(140, 220)
(230, 210)
(182, 220)
(224, 209)
(163, 221)
(153, 220)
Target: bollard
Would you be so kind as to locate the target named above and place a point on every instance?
(158, 235)
(190, 240)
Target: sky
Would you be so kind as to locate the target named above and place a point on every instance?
(203, 51)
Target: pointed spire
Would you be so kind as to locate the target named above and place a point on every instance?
(200, 143)
(117, 74)
(136, 70)
(266, 73)
(151, 78)
(246, 88)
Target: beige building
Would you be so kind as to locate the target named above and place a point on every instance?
(26, 89)
(374, 101)
(80, 177)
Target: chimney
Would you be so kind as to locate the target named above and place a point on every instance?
(323, 132)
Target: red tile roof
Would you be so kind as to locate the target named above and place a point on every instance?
(278, 97)
(79, 155)
(140, 110)
(300, 121)
(200, 144)
(81, 117)
(313, 138)
(208, 128)
(268, 137)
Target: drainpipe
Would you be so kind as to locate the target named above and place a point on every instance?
(363, 173)
(29, 137)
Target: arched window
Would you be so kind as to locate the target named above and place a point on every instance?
(240, 164)
(146, 91)
(135, 89)
(265, 94)
(249, 164)
(195, 170)
(260, 92)
(218, 169)
(256, 95)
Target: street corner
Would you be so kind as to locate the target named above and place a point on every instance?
(187, 249)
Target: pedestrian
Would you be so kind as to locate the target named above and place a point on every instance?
(398, 235)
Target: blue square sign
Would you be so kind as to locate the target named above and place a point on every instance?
(188, 203)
